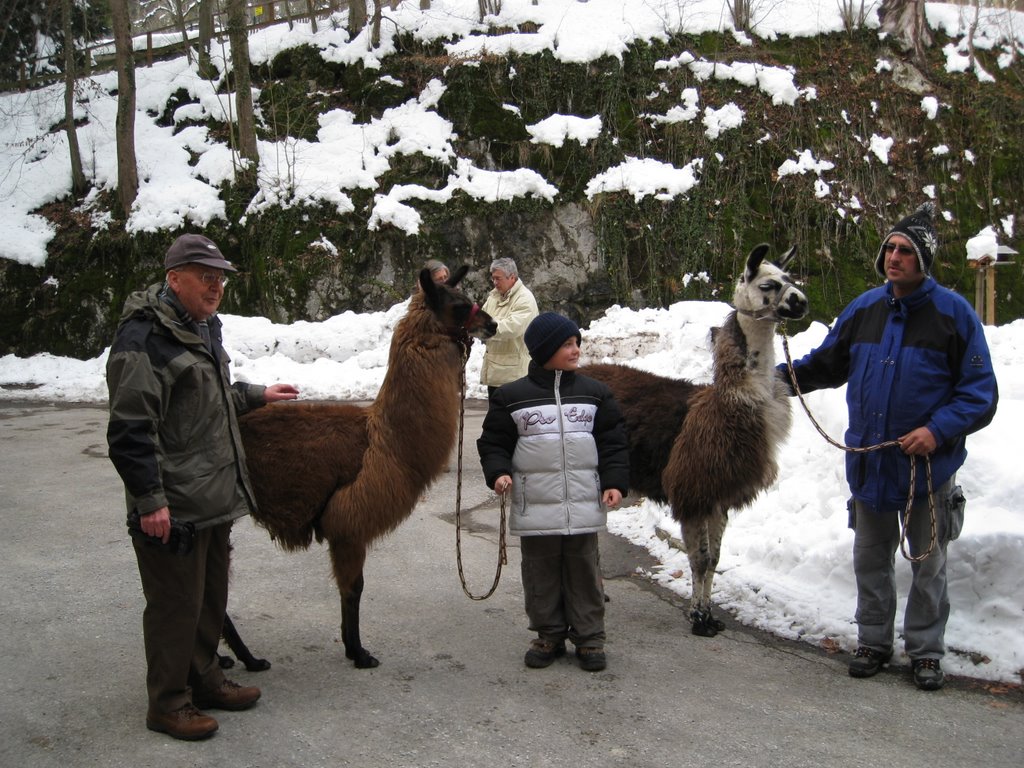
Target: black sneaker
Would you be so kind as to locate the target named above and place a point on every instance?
(591, 659)
(543, 652)
(928, 675)
(867, 662)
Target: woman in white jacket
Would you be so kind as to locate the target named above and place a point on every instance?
(513, 307)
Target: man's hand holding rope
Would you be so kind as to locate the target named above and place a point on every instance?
(919, 442)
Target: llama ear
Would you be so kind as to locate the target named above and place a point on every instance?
(456, 277)
(754, 261)
(787, 257)
(428, 286)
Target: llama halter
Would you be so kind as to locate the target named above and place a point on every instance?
(461, 336)
(772, 312)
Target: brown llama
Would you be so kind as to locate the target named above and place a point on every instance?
(709, 448)
(348, 474)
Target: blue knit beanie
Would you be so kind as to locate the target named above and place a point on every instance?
(547, 333)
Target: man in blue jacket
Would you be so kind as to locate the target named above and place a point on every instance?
(919, 372)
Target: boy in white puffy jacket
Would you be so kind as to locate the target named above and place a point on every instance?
(556, 440)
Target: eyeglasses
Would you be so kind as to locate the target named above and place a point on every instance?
(902, 250)
(209, 278)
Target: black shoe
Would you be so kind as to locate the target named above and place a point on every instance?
(928, 676)
(867, 662)
(543, 652)
(591, 659)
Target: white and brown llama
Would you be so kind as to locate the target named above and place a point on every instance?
(348, 474)
(709, 448)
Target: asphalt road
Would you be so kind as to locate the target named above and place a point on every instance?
(451, 689)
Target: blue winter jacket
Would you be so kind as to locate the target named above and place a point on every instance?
(921, 360)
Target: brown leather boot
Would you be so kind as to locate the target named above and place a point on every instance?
(229, 695)
(187, 723)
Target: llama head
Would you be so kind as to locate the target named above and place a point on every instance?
(766, 292)
(460, 316)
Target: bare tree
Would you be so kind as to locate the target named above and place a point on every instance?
(127, 171)
(356, 17)
(311, 9)
(972, 31)
(742, 12)
(488, 7)
(375, 30)
(78, 183)
(178, 10)
(904, 21)
(246, 120)
(205, 38)
(854, 13)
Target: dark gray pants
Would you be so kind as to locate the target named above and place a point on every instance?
(562, 586)
(186, 598)
(876, 540)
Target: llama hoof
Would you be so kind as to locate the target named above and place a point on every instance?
(703, 629)
(363, 660)
(257, 665)
(705, 625)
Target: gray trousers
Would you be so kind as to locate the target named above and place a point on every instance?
(876, 540)
(562, 586)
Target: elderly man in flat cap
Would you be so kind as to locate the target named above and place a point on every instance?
(173, 438)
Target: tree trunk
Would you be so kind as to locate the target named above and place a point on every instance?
(179, 19)
(904, 20)
(356, 17)
(311, 9)
(78, 183)
(206, 68)
(245, 118)
(127, 172)
(375, 31)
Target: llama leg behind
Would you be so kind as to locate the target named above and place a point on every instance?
(240, 649)
(347, 559)
(702, 538)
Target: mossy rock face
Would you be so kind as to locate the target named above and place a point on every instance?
(71, 305)
(579, 253)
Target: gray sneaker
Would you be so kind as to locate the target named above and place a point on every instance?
(928, 675)
(867, 662)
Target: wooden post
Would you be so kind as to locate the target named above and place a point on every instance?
(979, 290)
(990, 297)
